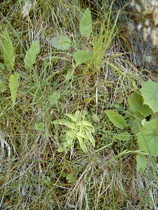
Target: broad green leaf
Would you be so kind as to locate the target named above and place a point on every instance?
(135, 121)
(149, 92)
(53, 99)
(135, 102)
(8, 51)
(13, 85)
(3, 86)
(81, 57)
(31, 54)
(116, 119)
(60, 42)
(148, 138)
(125, 136)
(141, 163)
(39, 126)
(86, 23)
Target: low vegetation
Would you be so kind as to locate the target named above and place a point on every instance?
(78, 118)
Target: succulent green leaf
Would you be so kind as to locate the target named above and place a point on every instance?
(13, 85)
(31, 54)
(78, 115)
(91, 138)
(149, 92)
(116, 119)
(71, 125)
(72, 117)
(70, 136)
(65, 122)
(84, 123)
(82, 144)
(86, 23)
(81, 57)
(82, 135)
(148, 138)
(60, 42)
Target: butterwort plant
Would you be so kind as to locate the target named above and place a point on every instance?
(75, 128)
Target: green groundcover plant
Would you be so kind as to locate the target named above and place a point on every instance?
(76, 128)
(142, 119)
